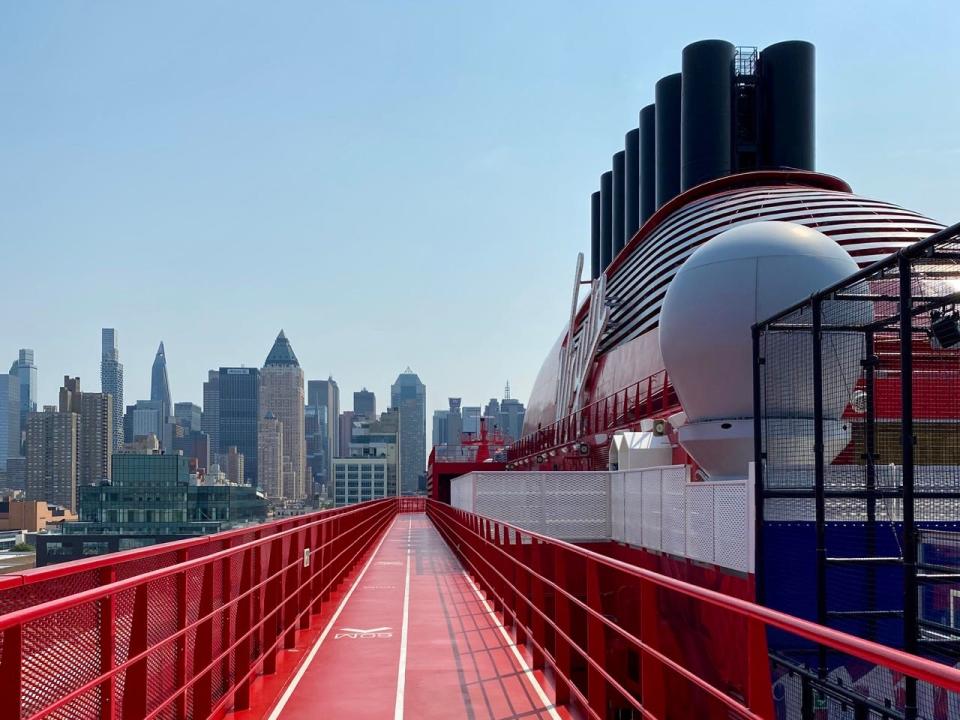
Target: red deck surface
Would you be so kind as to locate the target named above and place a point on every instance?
(414, 638)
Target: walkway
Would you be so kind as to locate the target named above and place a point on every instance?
(414, 638)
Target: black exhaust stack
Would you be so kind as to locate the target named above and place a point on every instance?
(648, 162)
(706, 113)
(667, 123)
(787, 101)
(606, 216)
(631, 184)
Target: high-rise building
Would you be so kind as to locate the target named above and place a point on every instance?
(281, 393)
(25, 369)
(370, 472)
(111, 380)
(235, 464)
(345, 426)
(239, 415)
(192, 444)
(9, 418)
(492, 413)
(364, 405)
(270, 456)
(188, 415)
(148, 417)
(325, 395)
(210, 420)
(409, 396)
(471, 419)
(512, 412)
(454, 422)
(52, 454)
(94, 430)
(441, 419)
(316, 427)
(159, 383)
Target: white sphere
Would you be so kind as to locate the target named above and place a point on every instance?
(743, 275)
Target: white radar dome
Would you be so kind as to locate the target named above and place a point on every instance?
(743, 275)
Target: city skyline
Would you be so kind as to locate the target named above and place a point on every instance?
(251, 132)
(132, 379)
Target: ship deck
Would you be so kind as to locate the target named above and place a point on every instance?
(411, 637)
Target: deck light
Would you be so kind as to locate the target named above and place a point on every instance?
(945, 328)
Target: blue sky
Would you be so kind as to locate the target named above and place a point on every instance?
(392, 183)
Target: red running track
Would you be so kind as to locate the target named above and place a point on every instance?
(414, 638)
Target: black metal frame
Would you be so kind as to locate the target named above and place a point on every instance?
(903, 266)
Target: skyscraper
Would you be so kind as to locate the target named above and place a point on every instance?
(9, 418)
(188, 415)
(345, 433)
(316, 425)
(234, 465)
(210, 419)
(364, 405)
(441, 420)
(111, 380)
(159, 384)
(239, 414)
(270, 456)
(94, 413)
(52, 457)
(471, 419)
(281, 393)
(325, 394)
(24, 368)
(454, 422)
(409, 396)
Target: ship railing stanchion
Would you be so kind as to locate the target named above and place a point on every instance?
(180, 663)
(241, 662)
(651, 671)
(596, 643)
(561, 616)
(537, 625)
(108, 646)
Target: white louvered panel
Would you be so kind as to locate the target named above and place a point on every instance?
(565, 505)
(633, 508)
(730, 526)
(700, 534)
(674, 521)
(651, 517)
(618, 507)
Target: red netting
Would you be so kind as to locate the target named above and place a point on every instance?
(60, 654)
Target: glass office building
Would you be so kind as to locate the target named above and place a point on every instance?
(239, 414)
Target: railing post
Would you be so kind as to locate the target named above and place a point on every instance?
(135, 680)
(291, 591)
(759, 684)
(180, 672)
(11, 673)
(108, 646)
(537, 624)
(202, 647)
(241, 660)
(272, 606)
(596, 643)
(226, 616)
(561, 616)
(651, 671)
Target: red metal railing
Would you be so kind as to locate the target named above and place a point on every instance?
(187, 639)
(34, 586)
(626, 406)
(600, 625)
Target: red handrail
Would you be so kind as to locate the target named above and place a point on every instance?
(236, 608)
(518, 568)
(620, 409)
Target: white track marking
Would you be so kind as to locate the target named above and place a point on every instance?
(402, 668)
(285, 698)
(531, 678)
